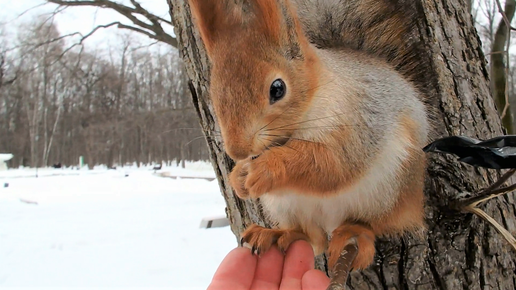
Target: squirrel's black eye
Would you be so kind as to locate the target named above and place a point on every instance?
(277, 91)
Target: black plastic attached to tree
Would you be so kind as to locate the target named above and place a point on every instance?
(496, 153)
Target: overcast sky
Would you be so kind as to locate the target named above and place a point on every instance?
(84, 19)
(75, 19)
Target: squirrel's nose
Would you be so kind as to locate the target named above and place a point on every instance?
(238, 152)
(238, 142)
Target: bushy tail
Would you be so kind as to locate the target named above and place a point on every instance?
(383, 28)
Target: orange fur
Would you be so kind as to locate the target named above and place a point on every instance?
(206, 14)
(267, 14)
(251, 44)
(237, 179)
(290, 167)
(261, 239)
(270, 42)
(342, 236)
(408, 212)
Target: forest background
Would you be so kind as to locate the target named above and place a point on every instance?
(72, 84)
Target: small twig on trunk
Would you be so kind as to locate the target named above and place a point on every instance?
(505, 233)
(470, 204)
(495, 193)
(342, 268)
(500, 181)
(491, 192)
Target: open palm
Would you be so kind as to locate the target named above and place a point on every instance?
(294, 271)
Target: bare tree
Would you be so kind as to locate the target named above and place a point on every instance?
(40, 58)
(112, 107)
(4, 78)
(500, 64)
(143, 21)
(486, 22)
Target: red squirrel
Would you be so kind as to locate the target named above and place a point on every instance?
(317, 107)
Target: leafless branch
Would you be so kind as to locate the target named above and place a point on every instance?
(504, 16)
(79, 43)
(499, 63)
(507, 66)
(83, 38)
(7, 82)
(144, 46)
(153, 29)
(25, 12)
(471, 204)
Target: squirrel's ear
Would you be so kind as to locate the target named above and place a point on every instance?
(268, 17)
(278, 20)
(211, 16)
(273, 19)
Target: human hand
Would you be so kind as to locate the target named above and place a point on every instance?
(294, 271)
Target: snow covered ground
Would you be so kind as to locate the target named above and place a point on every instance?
(102, 229)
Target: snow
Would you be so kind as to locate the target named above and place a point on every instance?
(5, 156)
(100, 229)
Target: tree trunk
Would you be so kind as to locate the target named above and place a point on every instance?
(499, 67)
(49, 146)
(458, 251)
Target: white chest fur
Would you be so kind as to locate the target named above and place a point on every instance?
(371, 197)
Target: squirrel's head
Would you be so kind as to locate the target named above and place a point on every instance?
(264, 71)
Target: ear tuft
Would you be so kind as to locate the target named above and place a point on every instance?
(278, 20)
(275, 20)
(210, 17)
(269, 16)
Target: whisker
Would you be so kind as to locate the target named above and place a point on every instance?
(316, 87)
(304, 140)
(264, 145)
(293, 138)
(315, 127)
(184, 128)
(291, 148)
(306, 121)
(273, 120)
(195, 139)
(282, 145)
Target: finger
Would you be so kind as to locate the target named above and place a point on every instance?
(299, 259)
(315, 280)
(235, 272)
(269, 270)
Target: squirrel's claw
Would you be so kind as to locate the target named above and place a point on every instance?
(261, 239)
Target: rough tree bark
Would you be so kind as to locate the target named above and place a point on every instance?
(459, 251)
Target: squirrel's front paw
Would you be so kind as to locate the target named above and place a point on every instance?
(262, 176)
(261, 239)
(238, 177)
